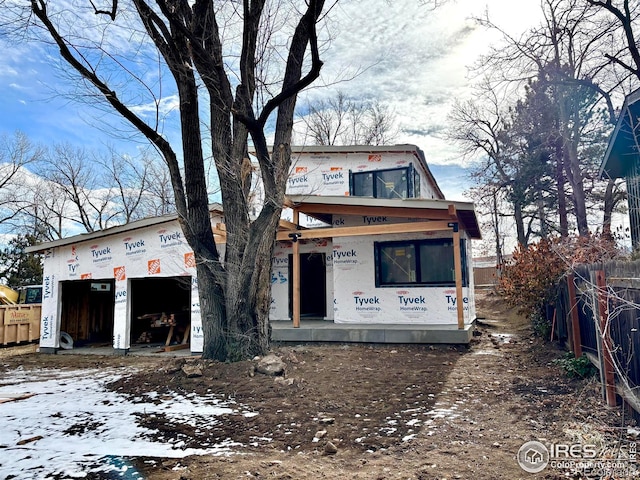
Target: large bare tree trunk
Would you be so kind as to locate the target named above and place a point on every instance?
(560, 186)
(234, 293)
(574, 175)
(570, 126)
(518, 217)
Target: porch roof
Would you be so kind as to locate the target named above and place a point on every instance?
(324, 207)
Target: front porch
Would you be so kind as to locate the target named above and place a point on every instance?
(327, 331)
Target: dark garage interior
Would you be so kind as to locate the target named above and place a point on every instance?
(87, 311)
(157, 304)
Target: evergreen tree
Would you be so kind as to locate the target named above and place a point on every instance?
(18, 268)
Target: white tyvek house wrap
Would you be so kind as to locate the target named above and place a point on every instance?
(280, 280)
(156, 251)
(357, 300)
(350, 265)
(328, 173)
(49, 324)
(352, 296)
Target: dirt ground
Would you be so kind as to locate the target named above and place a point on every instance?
(391, 411)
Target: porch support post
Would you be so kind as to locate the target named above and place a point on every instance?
(295, 291)
(457, 262)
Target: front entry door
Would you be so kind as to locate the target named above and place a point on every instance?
(313, 285)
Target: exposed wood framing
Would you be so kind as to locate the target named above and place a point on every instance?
(296, 272)
(439, 221)
(410, 227)
(220, 231)
(397, 212)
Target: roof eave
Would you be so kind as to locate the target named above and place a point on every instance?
(465, 210)
(119, 229)
(613, 164)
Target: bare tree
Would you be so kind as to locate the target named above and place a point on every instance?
(490, 202)
(74, 174)
(157, 198)
(212, 54)
(17, 153)
(343, 121)
(481, 128)
(626, 15)
(78, 190)
(564, 55)
(137, 187)
(46, 211)
(127, 178)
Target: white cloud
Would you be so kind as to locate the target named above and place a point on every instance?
(414, 60)
(401, 53)
(164, 107)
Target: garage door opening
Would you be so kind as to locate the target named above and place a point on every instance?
(87, 311)
(160, 310)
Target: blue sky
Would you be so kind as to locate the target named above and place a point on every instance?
(400, 53)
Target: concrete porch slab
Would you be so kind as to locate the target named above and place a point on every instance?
(327, 331)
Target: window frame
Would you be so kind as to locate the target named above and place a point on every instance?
(417, 244)
(410, 173)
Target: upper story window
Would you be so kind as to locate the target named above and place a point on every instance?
(388, 183)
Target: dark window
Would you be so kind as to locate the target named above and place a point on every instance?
(363, 184)
(389, 183)
(418, 262)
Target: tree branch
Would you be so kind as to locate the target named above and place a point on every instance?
(111, 13)
(305, 33)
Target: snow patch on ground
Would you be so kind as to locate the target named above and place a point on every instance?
(72, 425)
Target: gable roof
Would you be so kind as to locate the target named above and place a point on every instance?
(117, 230)
(623, 148)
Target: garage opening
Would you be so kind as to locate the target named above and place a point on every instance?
(87, 311)
(313, 285)
(160, 310)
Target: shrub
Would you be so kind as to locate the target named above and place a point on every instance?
(530, 280)
(540, 325)
(576, 367)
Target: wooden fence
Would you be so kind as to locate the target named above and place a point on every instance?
(485, 277)
(598, 314)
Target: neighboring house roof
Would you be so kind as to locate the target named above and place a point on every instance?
(323, 207)
(127, 227)
(623, 149)
(346, 149)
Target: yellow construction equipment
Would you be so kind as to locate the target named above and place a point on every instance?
(8, 296)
